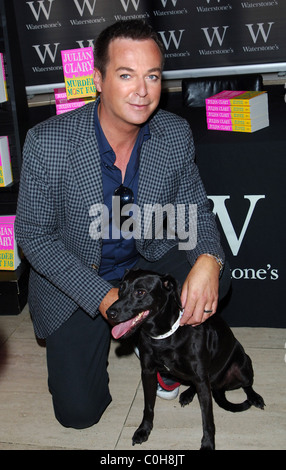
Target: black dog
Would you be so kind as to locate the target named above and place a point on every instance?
(207, 357)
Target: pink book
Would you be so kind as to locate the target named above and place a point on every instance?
(216, 114)
(218, 108)
(60, 94)
(238, 98)
(63, 105)
(9, 256)
(225, 122)
(78, 65)
(220, 127)
(224, 97)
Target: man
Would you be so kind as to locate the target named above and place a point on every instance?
(78, 160)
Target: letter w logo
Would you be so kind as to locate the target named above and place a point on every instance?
(259, 30)
(164, 2)
(221, 211)
(41, 8)
(215, 34)
(47, 50)
(125, 4)
(87, 3)
(172, 38)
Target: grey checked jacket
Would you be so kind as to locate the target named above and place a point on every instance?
(60, 181)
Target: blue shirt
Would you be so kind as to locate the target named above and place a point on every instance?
(120, 253)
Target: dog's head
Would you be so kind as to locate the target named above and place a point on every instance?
(145, 298)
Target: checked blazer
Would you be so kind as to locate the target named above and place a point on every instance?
(61, 180)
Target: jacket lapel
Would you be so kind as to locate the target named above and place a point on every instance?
(154, 161)
(151, 177)
(86, 164)
(152, 171)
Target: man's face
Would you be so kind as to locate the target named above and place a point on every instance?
(131, 88)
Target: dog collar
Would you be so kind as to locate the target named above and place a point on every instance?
(172, 330)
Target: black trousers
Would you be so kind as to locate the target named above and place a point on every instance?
(77, 355)
(77, 370)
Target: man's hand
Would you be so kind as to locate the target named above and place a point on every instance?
(199, 295)
(108, 300)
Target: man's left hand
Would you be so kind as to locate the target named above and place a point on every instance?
(199, 295)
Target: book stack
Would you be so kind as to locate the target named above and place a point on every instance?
(6, 176)
(9, 253)
(3, 83)
(238, 111)
(63, 105)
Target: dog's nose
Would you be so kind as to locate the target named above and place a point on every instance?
(112, 314)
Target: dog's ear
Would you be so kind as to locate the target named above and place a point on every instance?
(171, 285)
(168, 282)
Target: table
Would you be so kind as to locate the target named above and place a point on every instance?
(244, 175)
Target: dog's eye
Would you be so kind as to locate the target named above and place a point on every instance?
(140, 292)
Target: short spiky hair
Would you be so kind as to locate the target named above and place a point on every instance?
(137, 30)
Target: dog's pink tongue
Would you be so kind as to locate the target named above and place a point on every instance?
(122, 328)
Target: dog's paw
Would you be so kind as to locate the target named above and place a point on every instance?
(208, 443)
(207, 447)
(187, 396)
(140, 435)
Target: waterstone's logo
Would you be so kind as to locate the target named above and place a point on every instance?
(42, 11)
(260, 34)
(213, 6)
(153, 222)
(132, 10)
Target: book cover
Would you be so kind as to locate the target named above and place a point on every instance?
(78, 65)
(251, 114)
(63, 105)
(238, 98)
(6, 176)
(3, 83)
(9, 253)
(60, 94)
(255, 110)
(241, 126)
(233, 122)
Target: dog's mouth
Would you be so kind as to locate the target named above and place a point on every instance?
(127, 326)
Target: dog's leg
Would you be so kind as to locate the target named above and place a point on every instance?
(187, 396)
(149, 381)
(247, 382)
(239, 375)
(205, 399)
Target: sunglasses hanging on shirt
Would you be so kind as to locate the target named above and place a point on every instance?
(126, 196)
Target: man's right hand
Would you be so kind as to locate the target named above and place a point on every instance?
(108, 300)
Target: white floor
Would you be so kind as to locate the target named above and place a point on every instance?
(27, 420)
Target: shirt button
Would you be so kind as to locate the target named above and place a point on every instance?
(94, 266)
